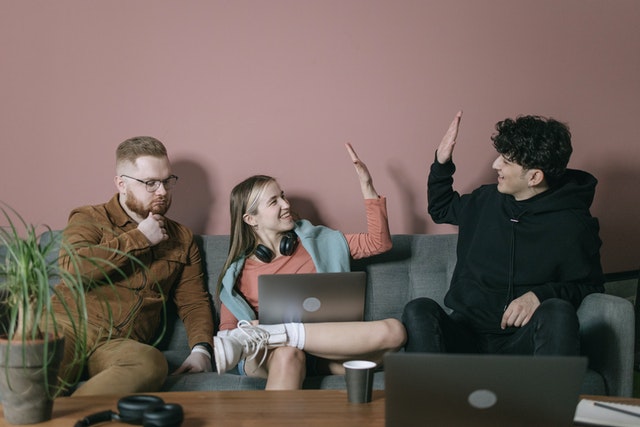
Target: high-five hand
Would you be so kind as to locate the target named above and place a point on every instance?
(445, 149)
(366, 182)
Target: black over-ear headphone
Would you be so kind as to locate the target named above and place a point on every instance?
(288, 245)
(150, 411)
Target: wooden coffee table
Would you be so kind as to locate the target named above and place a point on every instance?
(308, 408)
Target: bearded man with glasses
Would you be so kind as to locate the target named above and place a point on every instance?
(126, 315)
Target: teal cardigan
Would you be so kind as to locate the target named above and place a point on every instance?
(329, 251)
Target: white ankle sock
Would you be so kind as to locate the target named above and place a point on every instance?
(296, 335)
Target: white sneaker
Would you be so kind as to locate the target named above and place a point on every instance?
(246, 340)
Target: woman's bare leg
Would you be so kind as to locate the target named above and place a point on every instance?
(345, 340)
(284, 368)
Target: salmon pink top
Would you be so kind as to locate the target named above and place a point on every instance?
(375, 241)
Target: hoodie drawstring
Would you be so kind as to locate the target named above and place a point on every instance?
(512, 256)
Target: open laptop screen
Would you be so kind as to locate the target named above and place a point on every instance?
(313, 297)
(481, 390)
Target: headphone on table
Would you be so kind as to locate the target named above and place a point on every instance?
(147, 410)
(288, 245)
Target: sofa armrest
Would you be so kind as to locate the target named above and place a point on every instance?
(607, 331)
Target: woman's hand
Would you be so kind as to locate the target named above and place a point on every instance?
(366, 182)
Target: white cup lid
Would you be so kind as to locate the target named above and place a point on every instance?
(359, 364)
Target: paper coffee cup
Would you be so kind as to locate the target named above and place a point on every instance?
(359, 378)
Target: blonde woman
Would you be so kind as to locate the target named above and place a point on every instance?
(266, 238)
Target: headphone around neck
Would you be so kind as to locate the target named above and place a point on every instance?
(288, 245)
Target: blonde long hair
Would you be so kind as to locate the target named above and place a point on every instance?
(243, 200)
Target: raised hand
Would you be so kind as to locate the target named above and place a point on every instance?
(366, 182)
(445, 149)
(153, 228)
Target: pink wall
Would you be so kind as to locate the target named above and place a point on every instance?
(235, 88)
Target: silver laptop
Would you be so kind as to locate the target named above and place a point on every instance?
(313, 297)
(481, 390)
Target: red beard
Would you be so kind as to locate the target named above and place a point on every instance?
(159, 206)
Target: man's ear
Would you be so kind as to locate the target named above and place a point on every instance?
(119, 182)
(536, 177)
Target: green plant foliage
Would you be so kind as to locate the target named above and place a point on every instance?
(29, 266)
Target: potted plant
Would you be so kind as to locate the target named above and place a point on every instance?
(31, 338)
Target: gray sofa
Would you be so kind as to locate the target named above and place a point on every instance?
(422, 265)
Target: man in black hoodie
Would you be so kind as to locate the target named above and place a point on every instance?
(528, 248)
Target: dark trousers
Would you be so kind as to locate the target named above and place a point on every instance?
(552, 330)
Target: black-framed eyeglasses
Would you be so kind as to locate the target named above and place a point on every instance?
(153, 184)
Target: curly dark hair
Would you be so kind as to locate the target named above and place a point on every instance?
(535, 142)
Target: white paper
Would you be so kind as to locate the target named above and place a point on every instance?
(588, 413)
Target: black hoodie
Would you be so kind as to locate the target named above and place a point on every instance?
(547, 244)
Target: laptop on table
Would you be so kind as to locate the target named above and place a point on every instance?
(312, 297)
(429, 389)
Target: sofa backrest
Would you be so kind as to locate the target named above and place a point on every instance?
(214, 250)
(418, 265)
